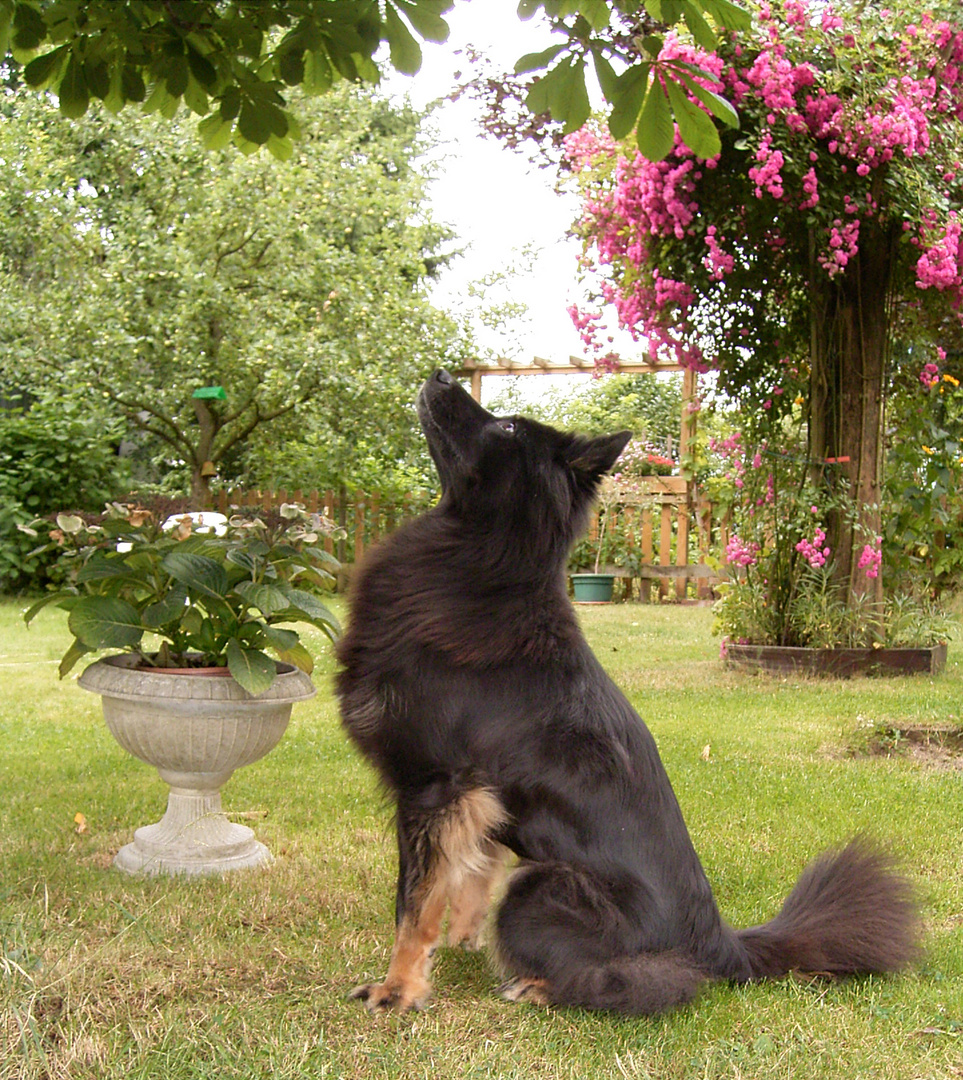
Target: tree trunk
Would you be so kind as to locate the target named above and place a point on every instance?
(200, 483)
(850, 335)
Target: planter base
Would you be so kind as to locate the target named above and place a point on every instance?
(195, 731)
(784, 659)
(193, 837)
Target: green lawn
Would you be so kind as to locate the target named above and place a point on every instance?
(104, 975)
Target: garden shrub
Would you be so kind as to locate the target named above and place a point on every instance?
(54, 456)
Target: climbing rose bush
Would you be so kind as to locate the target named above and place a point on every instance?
(848, 115)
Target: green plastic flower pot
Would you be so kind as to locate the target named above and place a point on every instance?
(593, 588)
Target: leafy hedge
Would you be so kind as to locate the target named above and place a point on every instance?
(54, 456)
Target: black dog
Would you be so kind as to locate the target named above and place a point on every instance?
(468, 684)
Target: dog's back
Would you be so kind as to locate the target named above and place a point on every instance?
(467, 683)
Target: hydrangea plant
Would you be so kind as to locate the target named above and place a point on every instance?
(183, 591)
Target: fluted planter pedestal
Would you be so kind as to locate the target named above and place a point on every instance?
(196, 730)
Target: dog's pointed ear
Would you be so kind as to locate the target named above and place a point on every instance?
(594, 457)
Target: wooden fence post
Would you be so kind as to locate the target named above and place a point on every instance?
(645, 584)
(665, 546)
(359, 509)
(682, 549)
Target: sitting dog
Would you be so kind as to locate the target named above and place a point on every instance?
(466, 681)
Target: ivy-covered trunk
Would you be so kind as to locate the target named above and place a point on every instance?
(849, 343)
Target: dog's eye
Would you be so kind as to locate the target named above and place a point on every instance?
(507, 426)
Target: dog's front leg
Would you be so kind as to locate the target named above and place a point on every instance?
(471, 900)
(444, 853)
(419, 910)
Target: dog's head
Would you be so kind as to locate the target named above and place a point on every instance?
(525, 476)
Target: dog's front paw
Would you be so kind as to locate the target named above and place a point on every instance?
(391, 996)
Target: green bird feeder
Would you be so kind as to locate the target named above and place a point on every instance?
(215, 393)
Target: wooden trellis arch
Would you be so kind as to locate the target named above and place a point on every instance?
(475, 370)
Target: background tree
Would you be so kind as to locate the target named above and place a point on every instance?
(138, 265)
(826, 229)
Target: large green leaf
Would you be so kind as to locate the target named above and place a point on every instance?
(726, 14)
(626, 100)
(540, 96)
(106, 567)
(536, 61)
(578, 108)
(72, 91)
(171, 608)
(105, 622)
(656, 134)
(268, 599)
(696, 128)
(426, 17)
(71, 656)
(202, 575)
(44, 69)
(50, 598)
(700, 29)
(279, 638)
(215, 131)
(29, 28)
(716, 104)
(306, 603)
(605, 73)
(405, 50)
(253, 669)
(132, 84)
(297, 655)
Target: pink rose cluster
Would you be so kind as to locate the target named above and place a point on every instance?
(741, 552)
(814, 551)
(717, 262)
(871, 558)
(930, 375)
(941, 265)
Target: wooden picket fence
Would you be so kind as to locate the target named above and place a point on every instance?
(671, 534)
(363, 518)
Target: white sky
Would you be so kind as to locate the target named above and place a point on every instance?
(497, 202)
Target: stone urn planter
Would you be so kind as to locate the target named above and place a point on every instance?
(196, 729)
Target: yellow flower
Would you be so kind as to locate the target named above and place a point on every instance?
(951, 380)
(926, 449)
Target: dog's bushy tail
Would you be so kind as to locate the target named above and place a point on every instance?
(850, 913)
(634, 985)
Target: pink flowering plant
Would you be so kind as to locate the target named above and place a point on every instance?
(782, 586)
(778, 558)
(825, 231)
(850, 120)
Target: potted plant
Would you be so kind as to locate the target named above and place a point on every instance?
(194, 603)
(595, 586)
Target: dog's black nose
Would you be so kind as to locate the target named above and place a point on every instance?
(442, 376)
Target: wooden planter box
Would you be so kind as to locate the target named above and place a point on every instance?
(785, 659)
